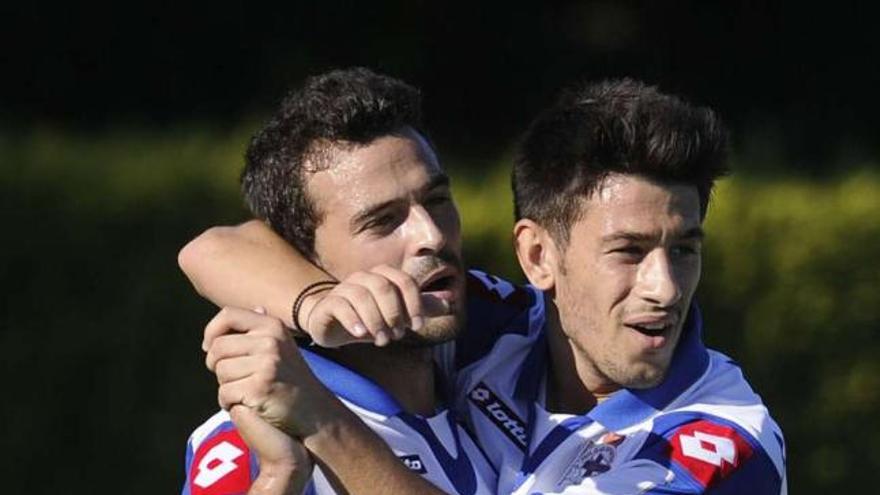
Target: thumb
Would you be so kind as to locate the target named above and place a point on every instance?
(268, 443)
(285, 466)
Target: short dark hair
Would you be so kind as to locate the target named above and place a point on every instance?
(614, 126)
(341, 108)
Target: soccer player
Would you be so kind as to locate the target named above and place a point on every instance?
(595, 379)
(344, 172)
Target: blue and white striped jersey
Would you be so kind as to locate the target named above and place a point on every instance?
(703, 430)
(219, 462)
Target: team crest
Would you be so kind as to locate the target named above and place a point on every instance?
(592, 459)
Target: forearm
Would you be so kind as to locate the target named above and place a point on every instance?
(357, 461)
(248, 266)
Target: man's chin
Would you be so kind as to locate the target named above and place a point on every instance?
(644, 377)
(436, 330)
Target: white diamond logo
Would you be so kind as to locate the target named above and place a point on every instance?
(708, 448)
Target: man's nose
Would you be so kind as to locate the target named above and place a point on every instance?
(425, 235)
(656, 281)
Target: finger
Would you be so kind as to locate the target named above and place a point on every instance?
(247, 392)
(232, 346)
(408, 292)
(230, 320)
(268, 442)
(361, 299)
(332, 314)
(388, 299)
(285, 465)
(237, 368)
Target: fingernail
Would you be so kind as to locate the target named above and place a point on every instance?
(417, 322)
(381, 338)
(359, 329)
(399, 332)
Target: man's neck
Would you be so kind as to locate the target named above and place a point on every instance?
(574, 385)
(406, 373)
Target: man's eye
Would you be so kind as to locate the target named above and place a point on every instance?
(382, 222)
(629, 251)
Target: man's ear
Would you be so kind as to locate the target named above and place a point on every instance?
(537, 253)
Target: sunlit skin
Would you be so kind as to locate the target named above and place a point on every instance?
(622, 285)
(389, 203)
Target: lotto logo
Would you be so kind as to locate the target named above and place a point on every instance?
(414, 463)
(221, 465)
(502, 416)
(709, 448)
(216, 464)
(480, 394)
(709, 451)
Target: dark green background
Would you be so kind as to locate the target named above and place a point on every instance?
(122, 128)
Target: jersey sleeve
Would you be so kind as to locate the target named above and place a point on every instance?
(711, 455)
(218, 462)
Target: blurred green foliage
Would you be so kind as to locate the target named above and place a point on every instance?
(101, 333)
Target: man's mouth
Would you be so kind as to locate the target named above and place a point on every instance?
(439, 281)
(651, 330)
(652, 326)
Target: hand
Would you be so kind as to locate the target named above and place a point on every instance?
(259, 366)
(375, 306)
(285, 465)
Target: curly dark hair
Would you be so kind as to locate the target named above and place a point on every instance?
(338, 109)
(614, 126)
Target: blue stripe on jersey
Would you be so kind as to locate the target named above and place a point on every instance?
(757, 475)
(459, 470)
(532, 371)
(495, 307)
(188, 463)
(351, 386)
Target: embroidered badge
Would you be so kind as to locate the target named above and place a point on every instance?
(592, 459)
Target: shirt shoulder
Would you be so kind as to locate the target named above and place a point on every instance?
(496, 308)
(712, 454)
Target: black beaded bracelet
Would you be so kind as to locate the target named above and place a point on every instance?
(298, 302)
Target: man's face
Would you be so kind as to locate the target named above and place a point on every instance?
(627, 277)
(389, 203)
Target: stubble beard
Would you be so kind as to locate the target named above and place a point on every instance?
(436, 330)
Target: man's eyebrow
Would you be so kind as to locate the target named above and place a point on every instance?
(439, 179)
(694, 233)
(628, 236)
